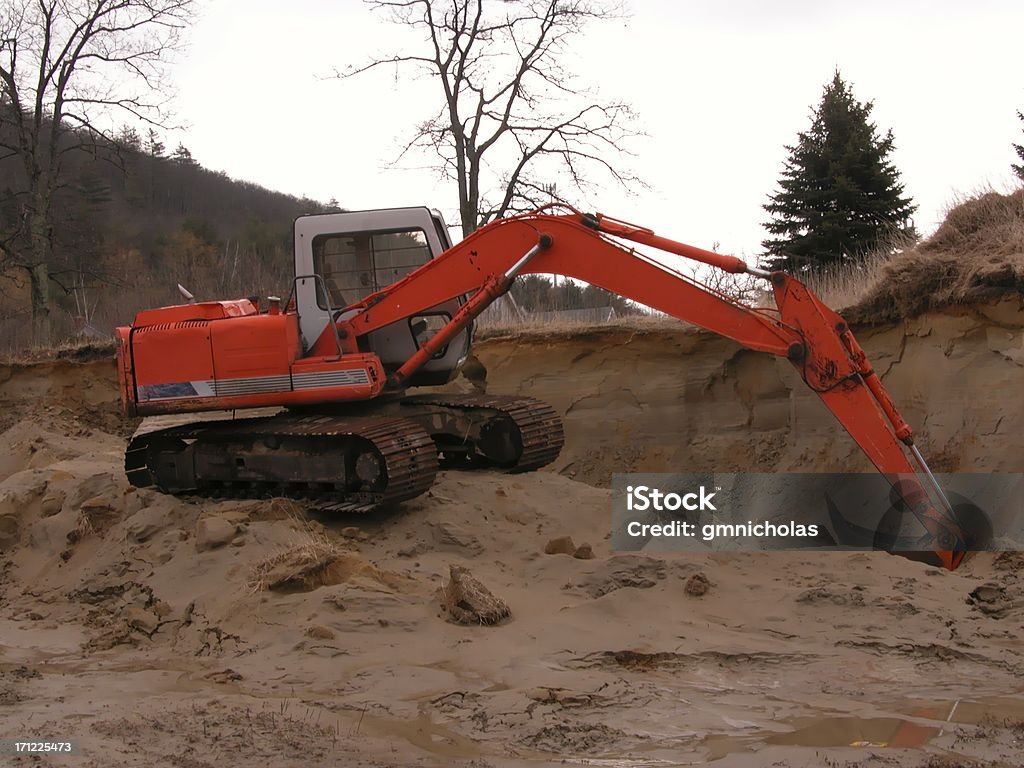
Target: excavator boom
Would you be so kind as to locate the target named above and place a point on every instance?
(816, 340)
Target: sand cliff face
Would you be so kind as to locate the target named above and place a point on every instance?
(677, 400)
(664, 401)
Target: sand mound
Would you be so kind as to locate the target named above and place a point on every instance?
(977, 254)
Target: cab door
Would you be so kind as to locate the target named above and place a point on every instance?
(341, 258)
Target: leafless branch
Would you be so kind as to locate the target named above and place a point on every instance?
(68, 70)
(510, 108)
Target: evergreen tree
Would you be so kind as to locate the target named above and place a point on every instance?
(839, 196)
(154, 146)
(182, 156)
(129, 138)
(1019, 169)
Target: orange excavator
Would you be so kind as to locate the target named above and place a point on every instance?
(382, 302)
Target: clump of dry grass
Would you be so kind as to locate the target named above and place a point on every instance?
(302, 567)
(309, 562)
(848, 283)
(312, 560)
(77, 350)
(83, 527)
(96, 516)
(976, 254)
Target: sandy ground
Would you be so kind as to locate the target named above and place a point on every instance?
(161, 631)
(155, 632)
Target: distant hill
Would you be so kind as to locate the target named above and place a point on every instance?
(132, 221)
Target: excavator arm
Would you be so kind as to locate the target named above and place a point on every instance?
(816, 340)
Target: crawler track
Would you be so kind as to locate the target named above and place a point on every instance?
(347, 463)
(533, 427)
(350, 464)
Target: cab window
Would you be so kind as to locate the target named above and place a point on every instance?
(354, 265)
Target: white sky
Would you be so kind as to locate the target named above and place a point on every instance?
(719, 86)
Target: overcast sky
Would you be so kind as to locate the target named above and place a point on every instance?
(719, 87)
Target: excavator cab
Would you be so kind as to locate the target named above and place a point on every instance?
(341, 259)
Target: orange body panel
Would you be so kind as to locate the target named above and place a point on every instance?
(261, 345)
(237, 360)
(165, 354)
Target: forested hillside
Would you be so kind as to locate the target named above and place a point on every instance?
(132, 221)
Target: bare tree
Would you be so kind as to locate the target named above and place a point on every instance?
(512, 117)
(68, 67)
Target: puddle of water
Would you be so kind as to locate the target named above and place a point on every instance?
(855, 731)
(836, 732)
(916, 723)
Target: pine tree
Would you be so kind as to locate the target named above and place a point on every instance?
(182, 156)
(129, 138)
(1019, 169)
(839, 195)
(154, 146)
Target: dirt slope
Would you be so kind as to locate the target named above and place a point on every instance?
(159, 631)
(78, 394)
